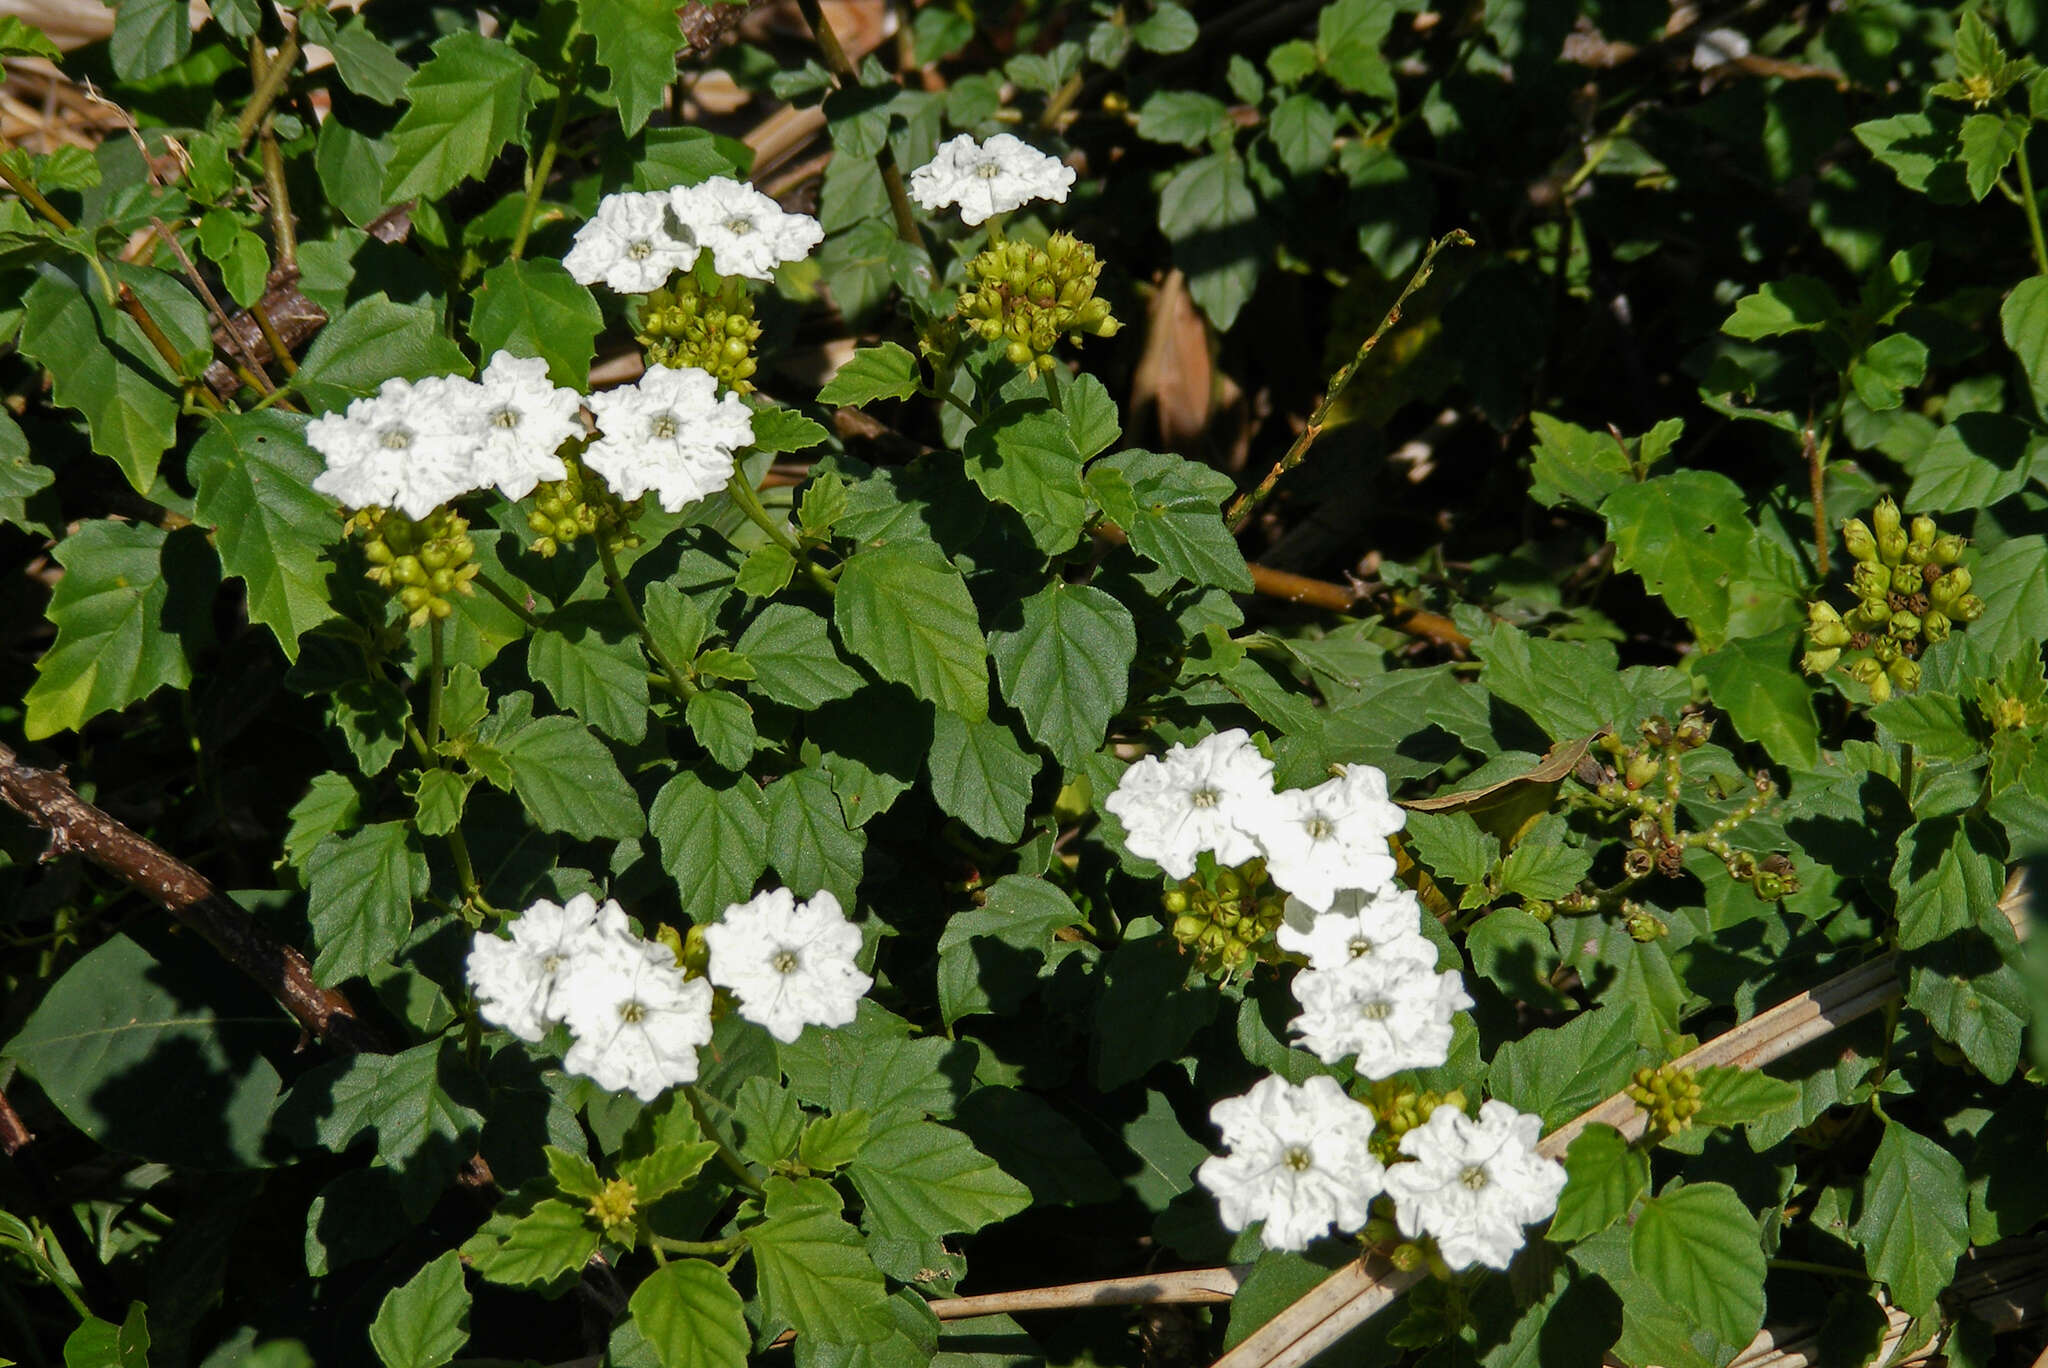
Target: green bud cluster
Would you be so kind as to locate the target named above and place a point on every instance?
(1910, 594)
(1228, 918)
(1028, 297)
(1398, 1108)
(580, 505)
(420, 563)
(706, 324)
(1670, 1095)
(615, 1205)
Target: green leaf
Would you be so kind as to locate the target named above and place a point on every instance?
(1169, 28)
(2024, 318)
(374, 340)
(425, 1322)
(1207, 212)
(1186, 117)
(360, 890)
(1798, 303)
(128, 412)
(921, 1179)
(1175, 518)
(553, 1239)
(656, 1175)
(1304, 130)
(795, 662)
(102, 1344)
(130, 1045)
(20, 477)
(1915, 1219)
(714, 841)
(1065, 665)
(784, 429)
(981, 775)
(831, 1142)
(1514, 952)
(1604, 1175)
(367, 64)
(810, 844)
(424, 1133)
(1949, 872)
(688, 156)
(813, 1274)
(592, 668)
(149, 35)
(535, 308)
(883, 372)
(573, 1174)
(20, 39)
(1147, 1013)
(331, 804)
(1972, 463)
(1699, 1248)
(254, 474)
(766, 571)
(113, 644)
(351, 171)
(1560, 1071)
(1454, 847)
(1933, 724)
(724, 726)
(690, 1316)
(637, 41)
(1348, 39)
(1736, 1097)
(871, 1066)
(1687, 535)
(1766, 699)
(1973, 999)
(904, 609)
(568, 781)
(1989, 142)
(1024, 456)
(437, 802)
(470, 98)
(1883, 371)
(1543, 865)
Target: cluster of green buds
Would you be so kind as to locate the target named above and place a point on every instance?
(1910, 593)
(1398, 1108)
(706, 323)
(580, 505)
(615, 1206)
(1671, 1095)
(1226, 916)
(420, 563)
(1029, 297)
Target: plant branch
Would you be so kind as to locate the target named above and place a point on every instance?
(31, 196)
(1242, 508)
(679, 685)
(246, 365)
(539, 168)
(271, 73)
(2031, 206)
(734, 1165)
(700, 1249)
(504, 596)
(837, 62)
(283, 230)
(750, 504)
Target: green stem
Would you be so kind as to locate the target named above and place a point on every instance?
(1827, 1270)
(702, 1249)
(31, 196)
(538, 169)
(750, 504)
(268, 85)
(504, 596)
(733, 1163)
(437, 667)
(680, 686)
(2031, 208)
(842, 67)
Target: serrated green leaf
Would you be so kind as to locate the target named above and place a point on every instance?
(149, 35)
(535, 308)
(592, 667)
(1169, 28)
(981, 775)
(254, 474)
(425, 1322)
(1973, 999)
(920, 1179)
(637, 41)
(724, 725)
(1700, 1249)
(1798, 303)
(830, 1142)
(461, 107)
(360, 890)
(1560, 1071)
(374, 340)
(553, 1239)
(367, 64)
(795, 662)
(1915, 1219)
(21, 39)
(883, 372)
(111, 647)
(574, 1174)
(814, 1276)
(809, 842)
(2024, 318)
(784, 429)
(690, 1316)
(330, 805)
(655, 1175)
(905, 610)
(1933, 724)
(21, 478)
(714, 841)
(127, 411)
(437, 802)
(1065, 665)
(1604, 1175)
(1988, 144)
(1024, 456)
(1187, 118)
(1949, 872)
(1687, 535)
(1175, 515)
(1207, 211)
(1736, 1097)
(1769, 702)
(568, 781)
(423, 1131)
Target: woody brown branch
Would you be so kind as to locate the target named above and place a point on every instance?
(46, 799)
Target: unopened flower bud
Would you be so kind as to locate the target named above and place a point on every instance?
(1856, 535)
(1820, 662)
(1870, 580)
(1884, 518)
(1642, 769)
(1950, 587)
(1948, 549)
(1891, 546)
(1935, 626)
(1907, 579)
(1866, 671)
(1904, 674)
(1921, 530)
(1968, 608)
(1904, 625)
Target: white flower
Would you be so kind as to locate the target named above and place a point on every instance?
(1474, 1184)
(1332, 836)
(411, 445)
(633, 245)
(637, 1021)
(668, 435)
(525, 420)
(1385, 923)
(517, 981)
(1392, 1013)
(747, 233)
(1717, 47)
(989, 178)
(1299, 1161)
(790, 964)
(1211, 796)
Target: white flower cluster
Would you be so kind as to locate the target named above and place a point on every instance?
(989, 178)
(1300, 1160)
(635, 1020)
(637, 240)
(416, 444)
(670, 434)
